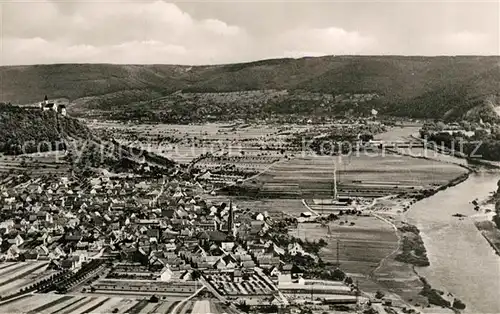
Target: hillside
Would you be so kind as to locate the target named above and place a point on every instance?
(31, 130)
(423, 87)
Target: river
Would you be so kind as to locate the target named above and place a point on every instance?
(461, 260)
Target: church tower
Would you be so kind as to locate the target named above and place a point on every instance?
(230, 219)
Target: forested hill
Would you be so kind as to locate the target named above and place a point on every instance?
(407, 86)
(24, 130)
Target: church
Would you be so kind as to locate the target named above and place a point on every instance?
(45, 105)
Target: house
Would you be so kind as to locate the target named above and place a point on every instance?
(237, 275)
(13, 252)
(227, 246)
(18, 240)
(68, 263)
(286, 269)
(295, 248)
(166, 274)
(274, 272)
(50, 106)
(31, 255)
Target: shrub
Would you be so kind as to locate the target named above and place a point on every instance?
(379, 294)
(459, 305)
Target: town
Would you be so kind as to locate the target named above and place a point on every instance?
(153, 235)
(249, 157)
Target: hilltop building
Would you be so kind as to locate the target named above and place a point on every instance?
(47, 105)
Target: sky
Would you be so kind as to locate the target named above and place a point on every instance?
(223, 31)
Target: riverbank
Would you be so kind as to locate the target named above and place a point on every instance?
(461, 261)
(490, 232)
(398, 273)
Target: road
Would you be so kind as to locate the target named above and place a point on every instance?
(201, 307)
(310, 209)
(178, 306)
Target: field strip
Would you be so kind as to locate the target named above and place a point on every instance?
(14, 286)
(50, 304)
(137, 308)
(83, 306)
(89, 310)
(117, 303)
(79, 305)
(216, 307)
(175, 309)
(17, 267)
(22, 274)
(26, 304)
(65, 306)
(395, 250)
(171, 307)
(151, 307)
(15, 299)
(201, 307)
(188, 307)
(8, 265)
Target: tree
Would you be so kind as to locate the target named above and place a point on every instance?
(379, 294)
(458, 304)
(196, 274)
(322, 242)
(338, 275)
(348, 280)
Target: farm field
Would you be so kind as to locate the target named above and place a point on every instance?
(44, 163)
(15, 276)
(183, 143)
(397, 133)
(80, 304)
(274, 206)
(361, 246)
(202, 306)
(312, 177)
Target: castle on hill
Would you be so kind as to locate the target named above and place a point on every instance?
(46, 105)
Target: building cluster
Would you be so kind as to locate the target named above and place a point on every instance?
(155, 230)
(47, 105)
